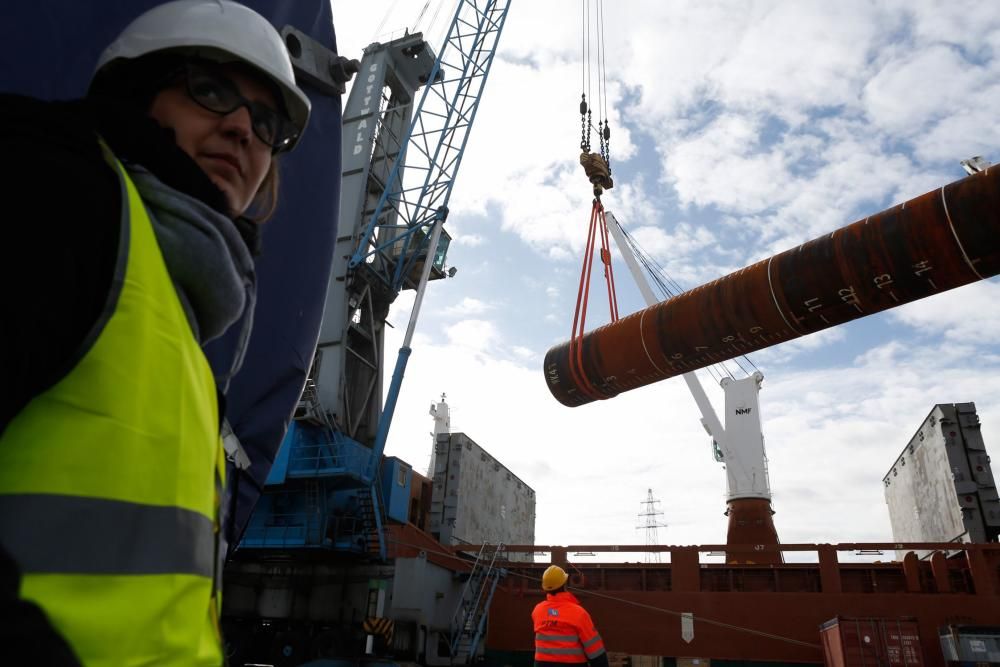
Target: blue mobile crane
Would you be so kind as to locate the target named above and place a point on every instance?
(310, 567)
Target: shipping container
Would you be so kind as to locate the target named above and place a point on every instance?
(971, 643)
(871, 642)
(396, 479)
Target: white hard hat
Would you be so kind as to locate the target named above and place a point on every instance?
(218, 30)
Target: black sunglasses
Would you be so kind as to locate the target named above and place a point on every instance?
(216, 92)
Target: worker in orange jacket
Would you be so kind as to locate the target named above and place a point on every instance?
(564, 632)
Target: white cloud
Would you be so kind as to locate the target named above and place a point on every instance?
(468, 306)
(685, 254)
(478, 336)
(891, 98)
(523, 353)
(559, 253)
(530, 153)
(966, 315)
(741, 130)
(725, 166)
(785, 352)
(471, 240)
(967, 132)
(959, 22)
(789, 57)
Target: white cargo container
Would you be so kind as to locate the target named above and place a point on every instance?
(941, 487)
(476, 499)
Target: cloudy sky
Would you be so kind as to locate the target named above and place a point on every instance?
(740, 129)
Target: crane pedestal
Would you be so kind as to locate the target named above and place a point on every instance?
(751, 525)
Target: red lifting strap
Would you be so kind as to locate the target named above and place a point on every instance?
(598, 221)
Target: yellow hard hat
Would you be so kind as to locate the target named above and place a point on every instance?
(553, 578)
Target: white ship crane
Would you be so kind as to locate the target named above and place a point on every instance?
(738, 444)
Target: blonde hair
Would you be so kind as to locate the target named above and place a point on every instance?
(265, 202)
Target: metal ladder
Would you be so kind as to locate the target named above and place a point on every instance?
(314, 518)
(469, 620)
(371, 513)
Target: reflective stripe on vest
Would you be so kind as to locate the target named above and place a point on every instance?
(564, 631)
(39, 529)
(560, 651)
(593, 652)
(559, 646)
(555, 638)
(108, 480)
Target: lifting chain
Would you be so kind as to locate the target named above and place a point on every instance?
(605, 130)
(596, 165)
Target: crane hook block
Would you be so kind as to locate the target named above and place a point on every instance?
(598, 172)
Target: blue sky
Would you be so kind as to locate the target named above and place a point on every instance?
(740, 129)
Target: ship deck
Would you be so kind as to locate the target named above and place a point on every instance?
(748, 612)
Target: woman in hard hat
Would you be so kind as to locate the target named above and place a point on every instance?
(564, 632)
(146, 197)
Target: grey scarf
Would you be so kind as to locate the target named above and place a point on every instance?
(209, 262)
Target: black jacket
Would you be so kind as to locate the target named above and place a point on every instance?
(62, 207)
(58, 253)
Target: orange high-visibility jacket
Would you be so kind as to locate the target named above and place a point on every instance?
(564, 631)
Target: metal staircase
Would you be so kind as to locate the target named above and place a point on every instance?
(469, 619)
(371, 513)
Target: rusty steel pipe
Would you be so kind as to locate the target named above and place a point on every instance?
(935, 242)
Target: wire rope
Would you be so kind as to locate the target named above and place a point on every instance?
(420, 16)
(602, 58)
(590, 52)
(385, 17)
(668, 288)
(583, 45)
(433, 25)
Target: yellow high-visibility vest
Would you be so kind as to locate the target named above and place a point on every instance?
(110, 481)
